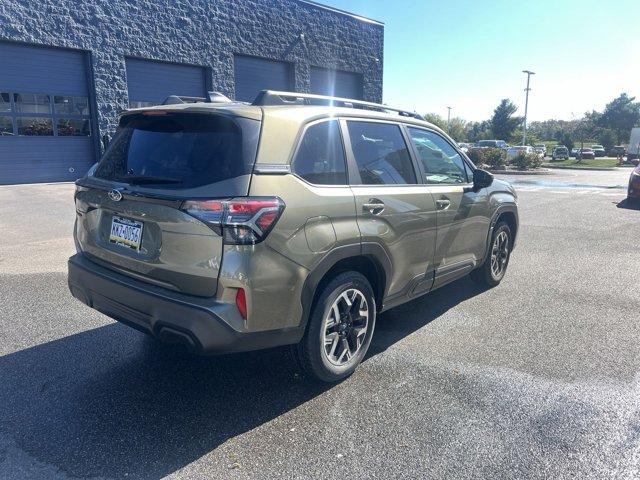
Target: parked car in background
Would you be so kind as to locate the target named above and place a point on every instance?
(618, 151)
(633, 150)
(633, 192)
(598, 150)
(228, 226)
(541, 148)
(465, 146)
(586, 153)
(560, 152)
(574, 152)
(492, 144)
(512, 152)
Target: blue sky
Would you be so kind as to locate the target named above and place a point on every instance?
(469, 54)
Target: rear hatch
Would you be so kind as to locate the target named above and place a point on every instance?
(129, 207)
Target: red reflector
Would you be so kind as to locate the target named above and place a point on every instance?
(152, 113)
(241, 302)
(266, 219)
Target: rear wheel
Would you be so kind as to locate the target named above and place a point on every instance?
(494, 267)
(340, 328)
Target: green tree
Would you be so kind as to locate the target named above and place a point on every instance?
(437, 120)
(478, 131)
(607, 138)
(565, 138)
(458, 129)
(620, 116)
(503, 122)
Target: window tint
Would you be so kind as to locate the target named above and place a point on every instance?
(381, 153)
(320, 157)
(180, 150)
(442, 164)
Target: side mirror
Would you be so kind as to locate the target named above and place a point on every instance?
(481, 179)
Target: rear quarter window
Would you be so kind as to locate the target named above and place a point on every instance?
(320, 157)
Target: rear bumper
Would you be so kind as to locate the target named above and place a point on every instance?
(169, 316)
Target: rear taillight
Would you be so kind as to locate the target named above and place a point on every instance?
(241, 221)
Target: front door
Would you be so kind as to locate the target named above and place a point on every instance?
(462, 218)
(392, 209)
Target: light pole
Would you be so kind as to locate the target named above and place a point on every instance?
(526, 106)
(448, 119)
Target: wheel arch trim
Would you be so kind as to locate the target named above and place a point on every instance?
(372, 251)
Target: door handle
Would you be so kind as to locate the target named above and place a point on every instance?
(443, 203)
(373, 206)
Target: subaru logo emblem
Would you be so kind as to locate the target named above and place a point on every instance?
(115, 195)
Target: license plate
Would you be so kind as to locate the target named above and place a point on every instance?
(126, 233)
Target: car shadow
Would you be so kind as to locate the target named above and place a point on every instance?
(629, 204)
(400, 322)
(111, 402)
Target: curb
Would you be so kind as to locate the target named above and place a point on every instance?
(595, 169)
(541, 171)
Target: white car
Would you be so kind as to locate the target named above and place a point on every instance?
(464, 147)
(513, 151)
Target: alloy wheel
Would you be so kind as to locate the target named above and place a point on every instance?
(345, 327)
(499, 254)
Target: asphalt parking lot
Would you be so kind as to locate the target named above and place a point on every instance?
(537, 378)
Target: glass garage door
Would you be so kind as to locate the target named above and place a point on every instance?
(45, 121)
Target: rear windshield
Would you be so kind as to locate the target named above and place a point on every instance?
(487, 143)
(178, 150)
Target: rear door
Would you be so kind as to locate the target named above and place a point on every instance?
(463, 214)
(129, 209)
(392, 209)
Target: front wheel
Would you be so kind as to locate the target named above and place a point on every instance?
(494, 267)
(340, 328)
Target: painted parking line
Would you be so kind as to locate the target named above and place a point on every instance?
(573, 191)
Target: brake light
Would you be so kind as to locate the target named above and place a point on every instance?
(242, 221)
(241, 302)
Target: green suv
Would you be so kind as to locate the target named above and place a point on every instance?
(294, 220)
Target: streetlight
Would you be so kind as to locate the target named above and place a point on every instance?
(526, 106)
(448, 119)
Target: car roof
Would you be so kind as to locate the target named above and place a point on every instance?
(299, 113)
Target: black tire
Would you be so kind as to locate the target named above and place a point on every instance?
(311, 351)
(485, 275)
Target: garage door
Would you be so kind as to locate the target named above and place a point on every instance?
(253, 74)
(150, 82)
(45, 131)
(336, 83)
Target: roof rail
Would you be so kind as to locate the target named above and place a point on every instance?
(212, 97)
(272, 97)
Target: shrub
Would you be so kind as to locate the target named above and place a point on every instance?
(495, 157)
(476, 155)
(526, 161)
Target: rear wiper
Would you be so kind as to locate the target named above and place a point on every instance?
(147, 180)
